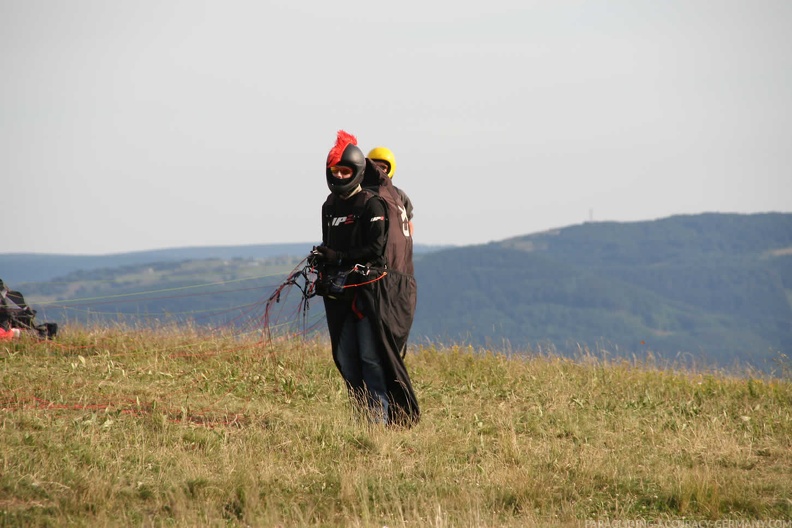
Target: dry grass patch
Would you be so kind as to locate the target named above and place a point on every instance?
(180, 428)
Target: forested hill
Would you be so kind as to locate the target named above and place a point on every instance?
(711, 288)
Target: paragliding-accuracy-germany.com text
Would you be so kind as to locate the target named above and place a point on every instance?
(687, 523)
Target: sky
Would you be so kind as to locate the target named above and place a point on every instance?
(130, 126)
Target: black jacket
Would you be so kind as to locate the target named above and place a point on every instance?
(356, 227)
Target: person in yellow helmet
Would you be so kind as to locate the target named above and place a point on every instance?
(384, 159)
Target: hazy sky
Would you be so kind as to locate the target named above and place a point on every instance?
(128, 126)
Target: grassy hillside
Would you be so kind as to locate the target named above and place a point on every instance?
(19, 268)
(107, 427)
(209, 292)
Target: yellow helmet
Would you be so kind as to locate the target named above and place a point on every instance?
(384, 154)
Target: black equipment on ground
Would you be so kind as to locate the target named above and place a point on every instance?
(15, 313)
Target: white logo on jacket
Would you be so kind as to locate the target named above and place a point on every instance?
(350, 219)
(343, 220)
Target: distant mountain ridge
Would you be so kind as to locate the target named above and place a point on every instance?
(18, 268)
(717, 286)
(711, 288)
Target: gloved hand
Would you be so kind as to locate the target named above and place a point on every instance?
(329, 255)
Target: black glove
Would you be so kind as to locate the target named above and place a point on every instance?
(331, 256)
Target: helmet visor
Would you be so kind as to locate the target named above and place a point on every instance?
(341, 172)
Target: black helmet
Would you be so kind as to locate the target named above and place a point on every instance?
(347, 154)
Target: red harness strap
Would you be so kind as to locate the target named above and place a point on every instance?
(360, 315)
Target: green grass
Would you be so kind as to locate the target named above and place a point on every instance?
(107, 427)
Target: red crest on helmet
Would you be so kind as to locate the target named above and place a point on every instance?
(343, 140)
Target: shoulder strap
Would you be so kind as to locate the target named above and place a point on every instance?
(399, 251)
